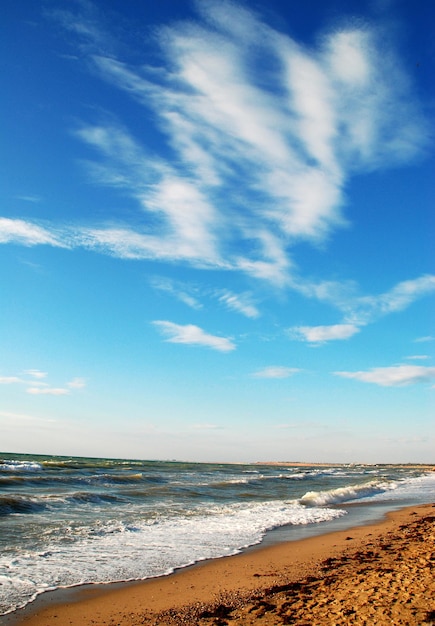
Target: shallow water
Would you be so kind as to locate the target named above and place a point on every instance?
(71, 521)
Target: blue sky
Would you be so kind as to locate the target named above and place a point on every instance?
(217, 227)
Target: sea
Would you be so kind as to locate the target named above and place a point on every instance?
(67, 521)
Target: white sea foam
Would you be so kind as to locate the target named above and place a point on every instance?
(20, 466)
(346, 494)
(116, 551)
(418, 489)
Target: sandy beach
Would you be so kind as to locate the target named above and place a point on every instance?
(379, 574)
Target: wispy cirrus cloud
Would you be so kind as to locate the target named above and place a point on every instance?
(395, 376)
(276, 371)
(365, 309)
(193, 335)
(29, 198)
(241, 303)
(306, 126)
(181, 291)
(260, 136)
(357, 310)
(30, 234)
(195, 296)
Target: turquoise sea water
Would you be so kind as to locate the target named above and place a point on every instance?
(71, 521)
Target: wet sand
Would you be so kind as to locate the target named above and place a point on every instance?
(376, 574)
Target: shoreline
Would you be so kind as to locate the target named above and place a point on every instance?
(244, 584)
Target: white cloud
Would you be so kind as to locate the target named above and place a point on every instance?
(321, 334)
(193, 335)
(361, 310)
(240, 303)
(276, 371)
(48, 391)
(425, 339)
(29, 198)
(365, 309)
(183, 292)
(395, 376)
(256, 155)
(418, 357)
(358, 311)
(77, 383)
(9, 380)
(36, 373)
(27, 233)
(37, 385)
(190, 294)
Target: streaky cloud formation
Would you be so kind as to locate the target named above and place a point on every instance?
(185, 293)
(29, 234)
(358, 311)
(193, 335)
(239, 303)
(224, 119)
(369, 308)
(239, 100)
(395, 376)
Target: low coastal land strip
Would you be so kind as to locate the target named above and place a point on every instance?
(425, 467)
(379, 574)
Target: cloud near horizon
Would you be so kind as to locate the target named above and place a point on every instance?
(36, 385)
(236, 99)
(395, 376)
(48, 391)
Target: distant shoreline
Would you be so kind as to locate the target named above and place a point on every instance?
(410, 465)
(423, 466)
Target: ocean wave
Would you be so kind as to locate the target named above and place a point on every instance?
(10, 505)
(345, 494)
(11, 480)
(87, 497)
(19, 466)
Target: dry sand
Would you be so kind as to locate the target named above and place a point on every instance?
(376, 575)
